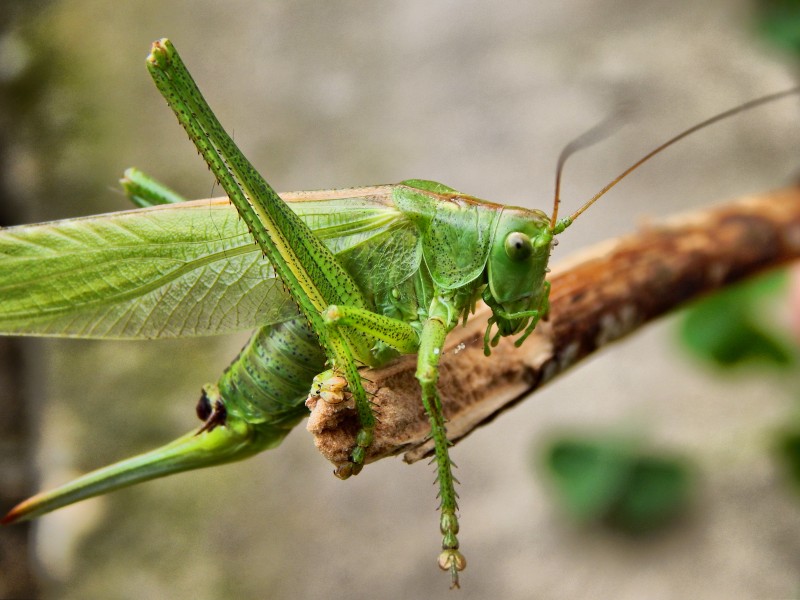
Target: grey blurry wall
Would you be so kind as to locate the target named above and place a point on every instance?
(478, 95)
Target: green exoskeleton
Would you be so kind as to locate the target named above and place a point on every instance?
(337, 281)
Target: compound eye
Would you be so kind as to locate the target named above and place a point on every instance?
(518, 246)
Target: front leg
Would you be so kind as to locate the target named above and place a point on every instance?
(430, 351)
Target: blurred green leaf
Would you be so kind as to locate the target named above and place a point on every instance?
(607, 480)
(788, 454)
(656, 491)
(588, 475)
(727, 329)
(778, 21)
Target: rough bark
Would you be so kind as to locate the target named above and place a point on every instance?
(606, 293)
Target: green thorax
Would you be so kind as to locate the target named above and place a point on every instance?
(468, 242)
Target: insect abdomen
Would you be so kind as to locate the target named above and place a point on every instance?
(270, 379)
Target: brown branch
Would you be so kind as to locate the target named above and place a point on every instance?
(604, 294)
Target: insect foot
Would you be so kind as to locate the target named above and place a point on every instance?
(452, 560)
(328, 387)
(331, 388)
(363, 441)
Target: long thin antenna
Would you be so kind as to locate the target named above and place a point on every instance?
(596, 134)
(724, 115)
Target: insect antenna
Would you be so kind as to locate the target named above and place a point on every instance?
(576, 145)
(596, 134)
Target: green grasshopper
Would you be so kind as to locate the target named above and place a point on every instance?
(352, 279)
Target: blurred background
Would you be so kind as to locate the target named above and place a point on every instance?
(481, 96)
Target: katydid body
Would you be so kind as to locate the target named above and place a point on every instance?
(352, 278)
(261, 396)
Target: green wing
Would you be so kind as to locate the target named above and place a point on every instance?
(186, 269)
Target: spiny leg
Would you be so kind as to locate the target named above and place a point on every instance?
(396, 333)
(430, 351)
(403, 337)
(309, 270)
